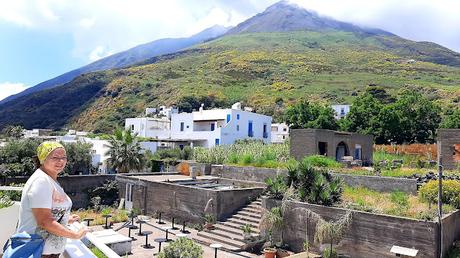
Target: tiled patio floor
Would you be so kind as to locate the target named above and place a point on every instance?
(139, 251)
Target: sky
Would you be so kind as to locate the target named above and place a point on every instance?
(41, 39)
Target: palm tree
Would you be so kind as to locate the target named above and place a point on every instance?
(125, 151)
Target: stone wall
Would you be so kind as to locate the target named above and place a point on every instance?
(447, 138)
(305, 142)
(185, 202)
(381, 184)
(370, 235)
(256, 174)
(76, 186)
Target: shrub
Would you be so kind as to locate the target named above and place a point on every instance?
(107, 193)
(322, 161)
(276, 187)
(450, 192)
(313, 184)
(182, 248)
(5, 202)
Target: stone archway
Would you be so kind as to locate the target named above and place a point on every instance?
(341, 150)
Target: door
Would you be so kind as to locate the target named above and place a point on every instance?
(129, 197)
(250, 132)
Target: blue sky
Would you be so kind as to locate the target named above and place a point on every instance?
(41, 39)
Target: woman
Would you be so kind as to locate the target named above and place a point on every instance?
(45, 207)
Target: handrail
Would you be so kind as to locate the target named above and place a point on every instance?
(96, 242)
(10, 188)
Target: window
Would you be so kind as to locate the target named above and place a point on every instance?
(213, 126)
(217, 142)
(132, 127)
(237, 116)
(358, 151)
(237, 127)
(265, 134)
(182, 126)
(322, 148)
(181, 146)
(284, 137)
(229, 117)
(456, 152)
(250, 132)
(284, 129)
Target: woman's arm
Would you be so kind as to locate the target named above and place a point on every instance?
(46, 221)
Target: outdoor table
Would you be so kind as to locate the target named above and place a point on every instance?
(215, 246)
(146, 234)
(159, 241)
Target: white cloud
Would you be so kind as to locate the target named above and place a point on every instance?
(98, 53)
(10, 88)
(119, 24)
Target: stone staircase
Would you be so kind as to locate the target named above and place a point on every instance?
(228, 233)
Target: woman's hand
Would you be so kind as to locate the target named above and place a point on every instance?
(73, 218)
(81, 233)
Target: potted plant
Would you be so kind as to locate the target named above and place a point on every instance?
(269, 252)
(209, 221)
(247, 230)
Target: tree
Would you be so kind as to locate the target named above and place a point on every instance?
(451, 120)
(418, 117)
(13, 131)
(364, 115)
(16, 157)
(125, 151)
(78, 158)
(310, 115)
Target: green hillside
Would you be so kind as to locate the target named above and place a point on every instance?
(263, 70)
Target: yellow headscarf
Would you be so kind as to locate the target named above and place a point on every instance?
(45, 148)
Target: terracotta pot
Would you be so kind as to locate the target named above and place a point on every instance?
(270, 252)
(280, 253)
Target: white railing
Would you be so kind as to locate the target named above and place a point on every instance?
(76, 248)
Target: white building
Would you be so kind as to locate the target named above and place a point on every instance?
(280, 132)
(341, 110)
(149, 127)
(207, 128)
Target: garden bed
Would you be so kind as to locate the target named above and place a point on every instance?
(369, 235)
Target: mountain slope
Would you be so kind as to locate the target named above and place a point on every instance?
(128, 57)
(284, 16)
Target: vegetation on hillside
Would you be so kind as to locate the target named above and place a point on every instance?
(268, 71)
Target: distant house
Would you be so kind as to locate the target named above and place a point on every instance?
(280, 132)
(333, 144)
(206, 128)
(341, 111)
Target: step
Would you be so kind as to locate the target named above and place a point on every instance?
(252, 210)
(243, 222)
(223, 227)
(220, 239)
(250, 214)
(207, 242)
(254, 206)
(236, 226)
(223, 233)
(246, 218)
